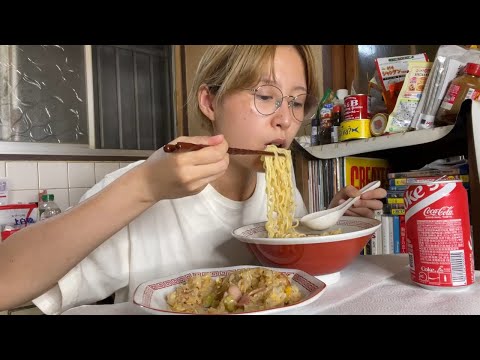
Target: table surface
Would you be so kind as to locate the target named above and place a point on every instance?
(373, 284)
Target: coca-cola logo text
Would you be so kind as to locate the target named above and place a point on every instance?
(412, 196)
(443, 211)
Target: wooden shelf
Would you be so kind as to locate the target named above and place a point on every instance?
(398, 140)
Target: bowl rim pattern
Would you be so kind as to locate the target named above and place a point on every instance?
(366, 226)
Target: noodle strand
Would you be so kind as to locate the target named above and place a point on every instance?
(281, 221)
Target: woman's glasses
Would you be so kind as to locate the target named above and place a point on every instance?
(269, 98)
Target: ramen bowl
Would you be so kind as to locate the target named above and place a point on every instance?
(321, 253)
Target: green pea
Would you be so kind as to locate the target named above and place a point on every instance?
(230, 303)
(208, 300)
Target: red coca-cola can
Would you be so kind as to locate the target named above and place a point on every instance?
(357, 107)
(439, 243)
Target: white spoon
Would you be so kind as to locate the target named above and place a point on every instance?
(322, 220)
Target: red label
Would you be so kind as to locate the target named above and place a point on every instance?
(450, 96)
(438, 234)
(357, 107)
(6, 233)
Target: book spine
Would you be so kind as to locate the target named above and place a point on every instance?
(377, 243)
(422, 179)
(398, 187)
(396, 234)
(391, 245)
(419, 173)
(395, 200)
(385, 234)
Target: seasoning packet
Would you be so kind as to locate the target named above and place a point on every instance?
(401, 117)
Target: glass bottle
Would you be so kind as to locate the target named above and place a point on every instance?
(341, 95)
(325, 131)
(51, 208)
(465, 86)
(336, 119)
(314, 133)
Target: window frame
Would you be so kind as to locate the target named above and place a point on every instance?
(45, 151)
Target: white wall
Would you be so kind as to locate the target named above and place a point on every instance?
(67, 180)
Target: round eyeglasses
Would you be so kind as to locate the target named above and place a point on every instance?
(268, 99)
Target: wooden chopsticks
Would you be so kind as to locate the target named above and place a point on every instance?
(185, 146)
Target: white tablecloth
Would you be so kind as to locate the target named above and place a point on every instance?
(377, 284)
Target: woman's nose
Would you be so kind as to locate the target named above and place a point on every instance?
(283, 116)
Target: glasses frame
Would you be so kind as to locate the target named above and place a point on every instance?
(278, 102)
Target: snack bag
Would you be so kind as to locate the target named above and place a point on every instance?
(393, 69)
(18, 214)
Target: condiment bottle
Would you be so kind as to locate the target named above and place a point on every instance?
(325, 130)
(336, 119)
(314, 133)
(466, 86)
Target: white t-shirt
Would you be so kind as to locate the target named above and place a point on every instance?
(170, 237)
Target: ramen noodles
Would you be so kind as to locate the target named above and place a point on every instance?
(281, 222)
(245, 290)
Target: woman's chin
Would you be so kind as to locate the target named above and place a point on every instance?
(251, 162)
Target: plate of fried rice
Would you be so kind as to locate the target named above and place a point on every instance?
(235, 290)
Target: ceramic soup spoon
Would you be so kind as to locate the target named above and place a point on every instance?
(324, 219)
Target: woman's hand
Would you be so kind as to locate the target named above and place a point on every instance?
(365, 206)
(180, 174)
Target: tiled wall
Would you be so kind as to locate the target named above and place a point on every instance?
(68, 181)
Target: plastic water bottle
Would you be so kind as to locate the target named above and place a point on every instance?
(42, 205)
(50, 207)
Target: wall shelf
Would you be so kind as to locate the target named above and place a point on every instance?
(397, 140)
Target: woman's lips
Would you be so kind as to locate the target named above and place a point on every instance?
(277, 142)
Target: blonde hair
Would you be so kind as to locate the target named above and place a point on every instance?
(234, 67)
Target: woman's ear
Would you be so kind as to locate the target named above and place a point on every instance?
(206, 102)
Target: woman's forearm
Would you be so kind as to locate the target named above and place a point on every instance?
(34, 259)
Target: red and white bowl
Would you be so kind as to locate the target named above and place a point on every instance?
(324, 256)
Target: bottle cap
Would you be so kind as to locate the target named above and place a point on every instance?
(337, 108)
(45, 197)
(51, 197)
(472, 69)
